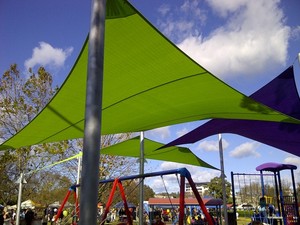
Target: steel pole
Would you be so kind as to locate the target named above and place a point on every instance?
(93, 111)
(223, 180)
(19, 199)
(141, 188)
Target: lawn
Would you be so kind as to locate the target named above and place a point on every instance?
(243, 220)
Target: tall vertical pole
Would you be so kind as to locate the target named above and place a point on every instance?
(141, 188)
(233, 198)
(262, 184)
(93, 113)
(181, 200)
(295, 195)
(277, 194)
(223, 180)
(77, 182)
(78, 174)
(283, 213)
(19, 199)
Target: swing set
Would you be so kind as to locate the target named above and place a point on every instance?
(117, 182)
(287, 206)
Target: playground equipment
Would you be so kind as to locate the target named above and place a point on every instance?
(288, 212)
(287, 205)
(117, 182)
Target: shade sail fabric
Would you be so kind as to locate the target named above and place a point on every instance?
(148, 83)
(131, 148)
(280, 94)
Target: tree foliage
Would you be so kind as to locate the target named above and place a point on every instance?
(131, 189)
(22, 97)
(215, 188)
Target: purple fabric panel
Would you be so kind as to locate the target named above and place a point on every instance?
(280, 94)
(284, 136)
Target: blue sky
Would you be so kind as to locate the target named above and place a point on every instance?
(244, 43)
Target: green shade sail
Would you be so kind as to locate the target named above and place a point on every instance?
(148, 83)
(131, 148)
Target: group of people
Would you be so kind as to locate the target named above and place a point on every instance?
(9, 216)
(50, 216)
(193, 217)
(27, 216)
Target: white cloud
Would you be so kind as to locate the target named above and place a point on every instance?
(212, 146)
(181, 22)
(46, 55)
(292, 160)
(182, 132)
(164, 9)
(252, 37)
(247, 149)
(295, 34)
(162, 132)
(224, 9)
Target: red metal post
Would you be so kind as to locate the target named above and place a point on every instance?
(128, 213)
(181, 200)
(62, 205)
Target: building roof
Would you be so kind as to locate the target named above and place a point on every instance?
(188, 201)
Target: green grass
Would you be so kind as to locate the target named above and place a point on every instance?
(243, 220)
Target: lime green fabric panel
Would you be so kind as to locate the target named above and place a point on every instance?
(131, 148)
(148, 83)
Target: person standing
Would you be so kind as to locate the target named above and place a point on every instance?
(29, 215)
(1, 217)
(174, 216)
(157, 221)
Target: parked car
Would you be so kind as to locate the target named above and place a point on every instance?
(245, 206)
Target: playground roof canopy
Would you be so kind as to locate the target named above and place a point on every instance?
(281, 94)
(148, 83)
(275, 167)
(131, 148)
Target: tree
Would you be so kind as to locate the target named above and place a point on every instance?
(215, 188)
(47, 187)
(131, 189)
(250, 193)
(22, 98)
(110, 166)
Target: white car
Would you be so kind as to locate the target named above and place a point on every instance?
(245, 206)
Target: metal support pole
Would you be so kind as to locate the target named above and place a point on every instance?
(223, 180)
(283, 213)
(19, 199)
(233, 198)
(181, 200)
(295, 195)
(262, 184)
(277, 194)
(93, 110)
(141, 188)
(77, 189)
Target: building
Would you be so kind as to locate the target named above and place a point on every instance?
(201, 187)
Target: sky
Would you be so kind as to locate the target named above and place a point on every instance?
(244, 43)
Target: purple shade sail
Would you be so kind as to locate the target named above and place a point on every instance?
(280, 94)
(275, 167)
